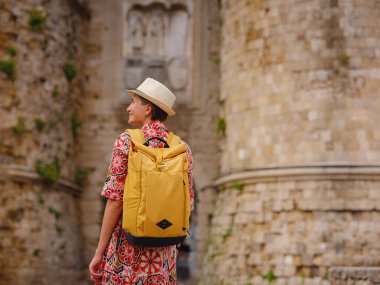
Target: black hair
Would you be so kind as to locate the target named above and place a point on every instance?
(157, 112)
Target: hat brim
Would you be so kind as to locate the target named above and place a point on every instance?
(159, 104)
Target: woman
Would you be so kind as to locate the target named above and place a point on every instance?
(116, 261)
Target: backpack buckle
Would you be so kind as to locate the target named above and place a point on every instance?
(162, 166)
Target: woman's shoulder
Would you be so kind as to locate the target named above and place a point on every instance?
(124, 136)
(122, 141)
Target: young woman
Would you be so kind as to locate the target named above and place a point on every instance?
(115, 260)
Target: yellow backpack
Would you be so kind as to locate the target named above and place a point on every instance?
(156, 201)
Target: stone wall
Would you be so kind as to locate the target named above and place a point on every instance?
(300, 82)
(298, 187)
(41, 88)
(40, 234)
(293, 228)
(355, 276)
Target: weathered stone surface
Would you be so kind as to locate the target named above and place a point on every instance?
(41, 239)
(41, 231)
(157, 43)
(299, 88)
(354, 275)
(307, 240)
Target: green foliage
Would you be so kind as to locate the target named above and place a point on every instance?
(81, 175)
(270, 277)
(302, 278)
(41, 199)
(19, 128)
(46, 41)
(37, 20)
(49, 172)
(220, 125)
(55, 91)
(344, 59)
(76, 124)
(11, 50)
(54, 212)
(227, 233)
(70, 71)
(37, 252)
(326, 275)
(39, 124)
(215, 254)
(215, 58)
(238, 186)
(8, 67)
(209, 242)
(58, 229)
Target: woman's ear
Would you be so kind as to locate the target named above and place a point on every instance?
(149, 110)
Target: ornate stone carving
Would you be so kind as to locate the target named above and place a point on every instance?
(136, 32)
(157, 42)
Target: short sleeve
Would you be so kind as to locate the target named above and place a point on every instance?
(189, 157)
(117, 170)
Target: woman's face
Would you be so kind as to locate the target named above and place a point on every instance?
(139, 114)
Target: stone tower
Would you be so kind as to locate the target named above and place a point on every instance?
(299, 183)
(41, 91)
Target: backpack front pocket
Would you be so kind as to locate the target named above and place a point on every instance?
(165, 209)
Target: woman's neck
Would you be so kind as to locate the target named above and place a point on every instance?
(147, 121)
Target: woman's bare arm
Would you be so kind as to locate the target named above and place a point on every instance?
(112, 213)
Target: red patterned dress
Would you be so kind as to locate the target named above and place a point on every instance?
(129, 264)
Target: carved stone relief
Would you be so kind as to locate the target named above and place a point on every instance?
(136, 32)
(157, 44)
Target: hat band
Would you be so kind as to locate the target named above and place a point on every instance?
(139, 91)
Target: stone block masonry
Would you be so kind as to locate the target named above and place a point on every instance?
(355, 275)
(40, 235)
(300, 241)
(299, 171)
(300, 85)
(41, 87)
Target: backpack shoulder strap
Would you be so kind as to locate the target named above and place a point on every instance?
(173, 140)
(136, 135)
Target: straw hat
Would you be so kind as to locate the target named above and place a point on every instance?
(157, 93)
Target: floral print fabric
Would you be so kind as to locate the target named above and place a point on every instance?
(126, 263)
